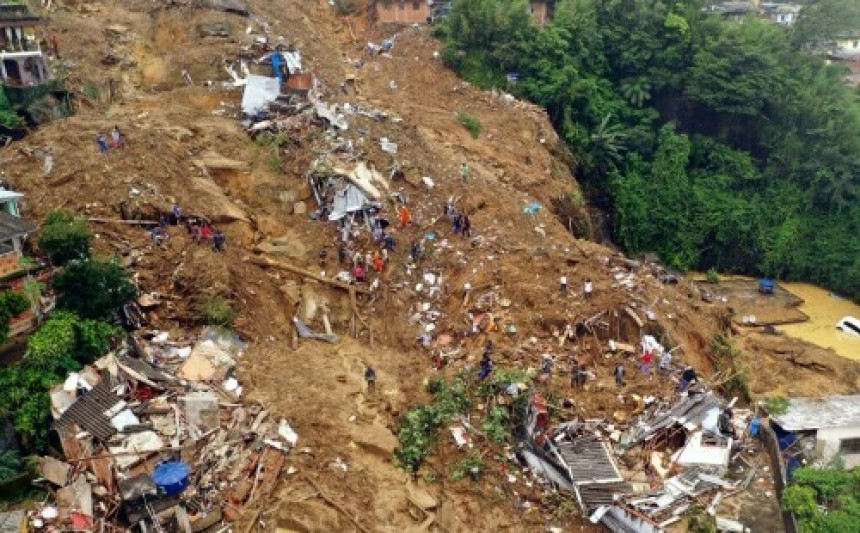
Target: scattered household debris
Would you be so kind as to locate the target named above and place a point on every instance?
(155, 435)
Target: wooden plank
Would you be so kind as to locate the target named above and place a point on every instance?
(266, 262)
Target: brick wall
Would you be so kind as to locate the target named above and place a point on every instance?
(9, 263)
(409, 12)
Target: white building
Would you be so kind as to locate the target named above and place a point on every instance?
(834, 422)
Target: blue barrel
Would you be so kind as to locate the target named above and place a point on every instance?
(171, 477)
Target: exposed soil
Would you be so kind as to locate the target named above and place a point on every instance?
(184, 145)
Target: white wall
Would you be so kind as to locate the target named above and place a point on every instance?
(827, 444)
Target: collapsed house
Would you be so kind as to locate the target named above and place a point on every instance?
(156, 435)
(591, 459)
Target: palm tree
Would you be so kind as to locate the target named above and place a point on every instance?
(637, 91)
(606, 146)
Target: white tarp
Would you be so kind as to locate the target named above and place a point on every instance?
(347, 200)
(260, 91)
(293, 61)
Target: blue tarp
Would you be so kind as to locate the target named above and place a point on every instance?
(277, 63)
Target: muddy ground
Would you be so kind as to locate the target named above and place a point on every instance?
(185, 145)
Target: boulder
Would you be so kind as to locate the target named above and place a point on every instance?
(213, 29)
(422, 499)
(240, 7)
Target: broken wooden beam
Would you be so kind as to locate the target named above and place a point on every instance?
(266, 262)
(121, 221)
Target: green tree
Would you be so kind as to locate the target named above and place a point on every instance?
(12, 304)
(8, 117)
(65, 238)
(62, 344)
(820, 21)
(93, 288)
(760, 174)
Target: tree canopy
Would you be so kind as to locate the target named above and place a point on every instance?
(93, 288)
(715, 143)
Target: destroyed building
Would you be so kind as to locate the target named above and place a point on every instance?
(20, 48)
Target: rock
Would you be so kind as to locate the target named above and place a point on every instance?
(300, 208)
(211, 160)
(214, 29)
(116, 29)
(288, 196)
(375, 439)
(422, 499)
(239, 7)
(282, 246)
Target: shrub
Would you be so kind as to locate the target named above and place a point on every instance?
(12, 304)
(776, 405)
(471, 123)
(419, 429)
(93, 288)
(713, 277)
(825, 500)
(473, 465)
(64, 238)
(216, 311)
(63, 343)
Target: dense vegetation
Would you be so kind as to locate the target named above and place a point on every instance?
(825, 501)
(89, 293)
(64, 343)
(65, 238)
(716, 143)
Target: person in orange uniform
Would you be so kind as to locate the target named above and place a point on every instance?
(405, 216)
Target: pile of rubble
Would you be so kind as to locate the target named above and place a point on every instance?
(157, 433)
(645, 475)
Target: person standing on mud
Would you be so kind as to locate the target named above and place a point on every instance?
(688, 377)
(103, 145)
(464, 173)
(370, 378)
(619, 375)
(116, 136)
(404, 216)
(563, 285)
(588, 289)
(415, 251)
(467, 226)
(486, 367)
(218, 241)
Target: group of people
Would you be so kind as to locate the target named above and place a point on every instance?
(587, 287)
(116, 141)
(200, 228)
(460, 222)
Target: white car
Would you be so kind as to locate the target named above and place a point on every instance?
(849, 325)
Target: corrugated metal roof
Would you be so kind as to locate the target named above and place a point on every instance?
(597, 494)
(589, 460)
(813, 413)
(12, 226)
(692, 409)
(89, 412)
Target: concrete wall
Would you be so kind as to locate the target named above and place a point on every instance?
(540, 12)
(399, 12)
(827, 444)
(849, 45)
